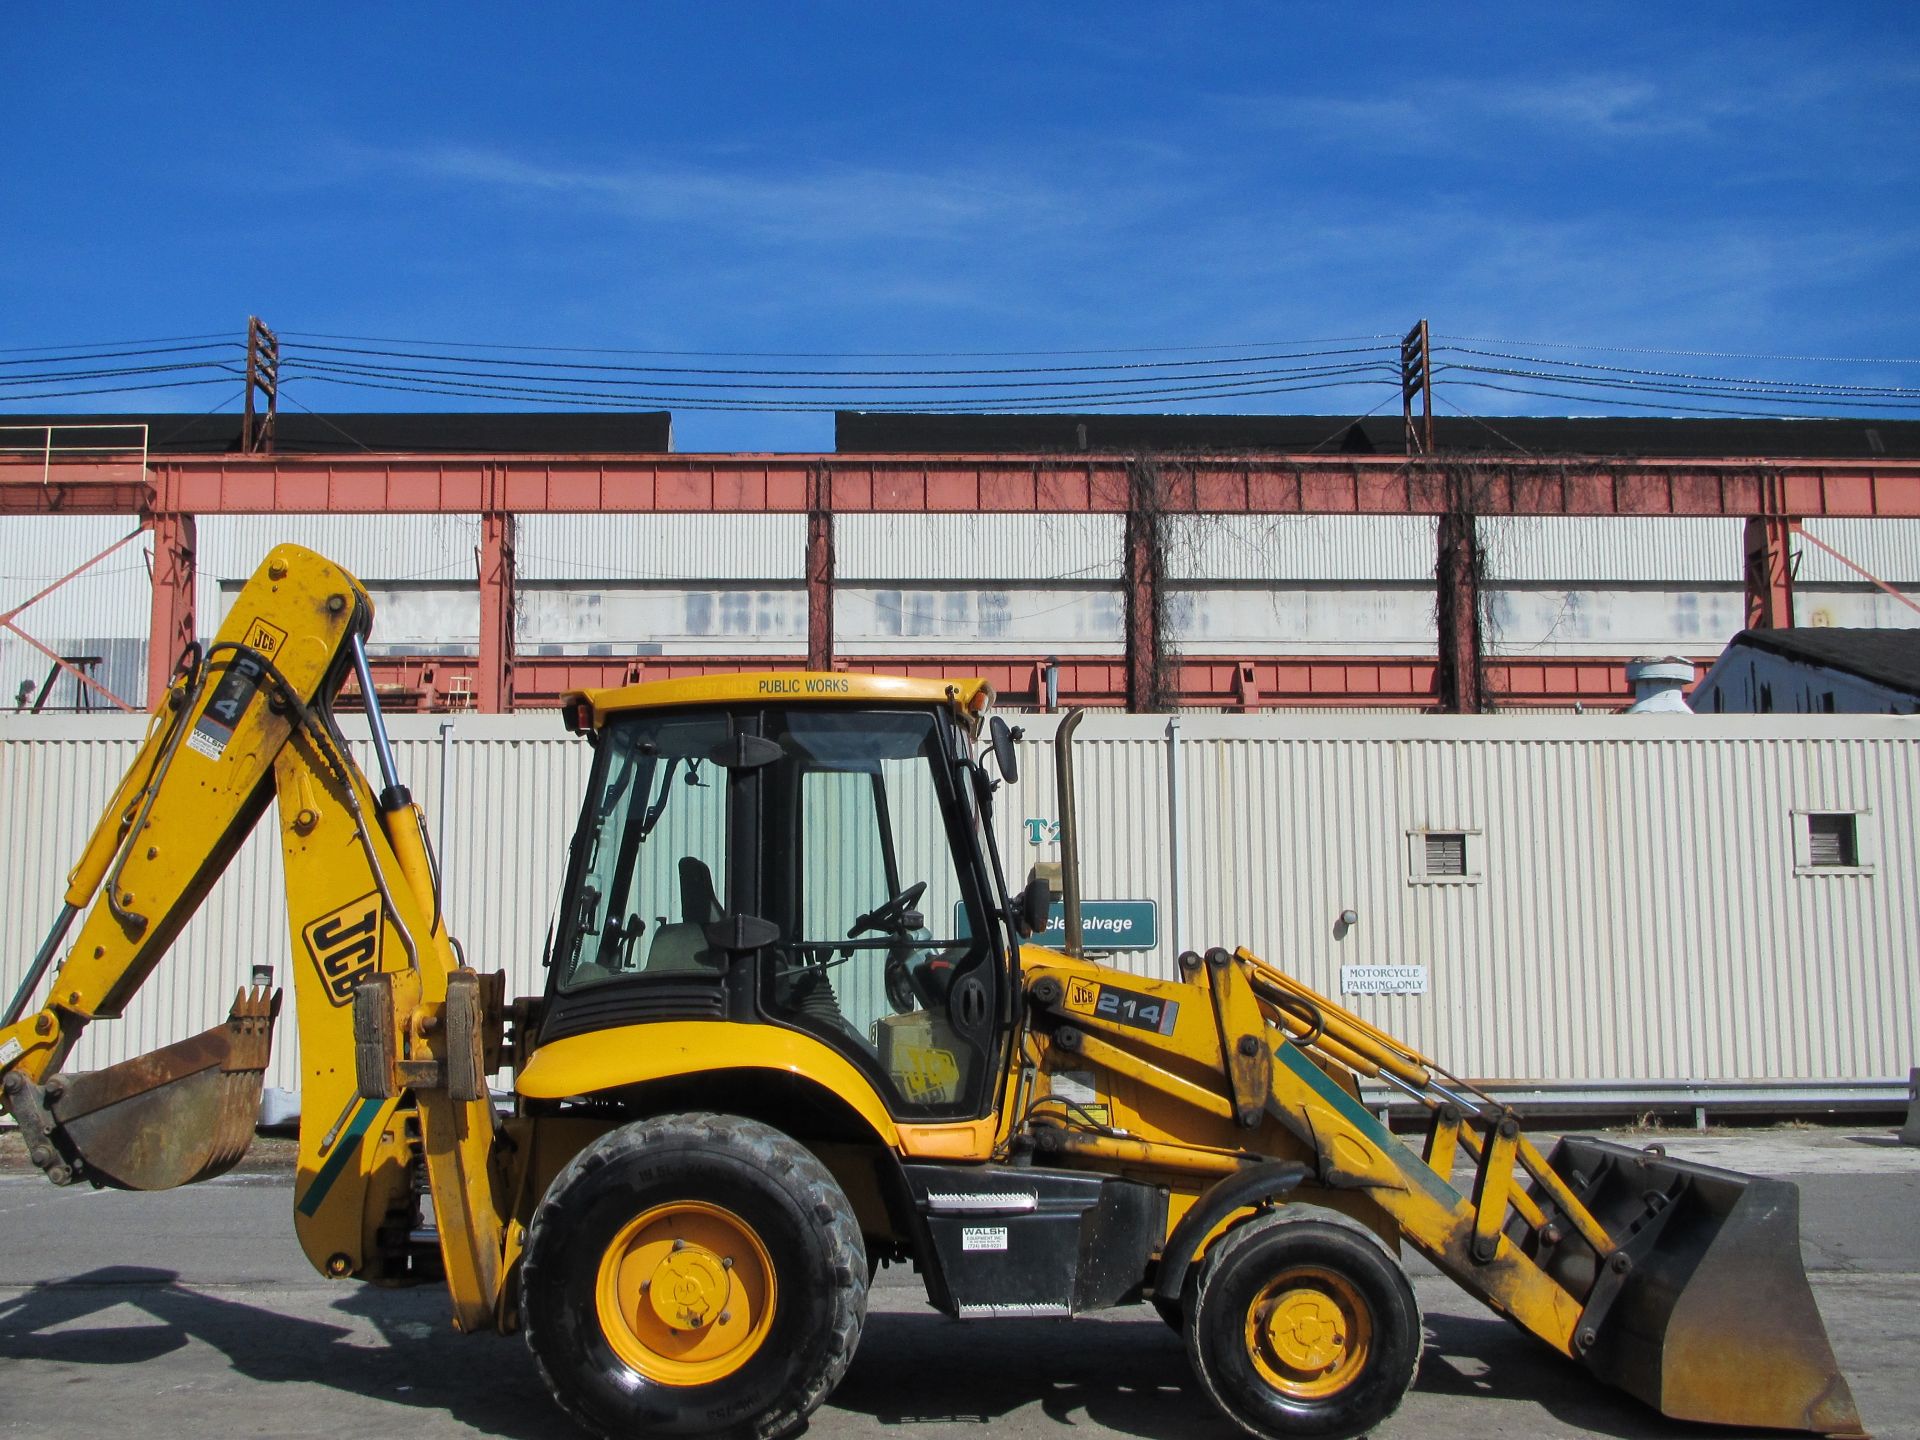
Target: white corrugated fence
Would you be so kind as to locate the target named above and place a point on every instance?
(1637, 904)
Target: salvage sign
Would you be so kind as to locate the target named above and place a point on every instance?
(1104, 925)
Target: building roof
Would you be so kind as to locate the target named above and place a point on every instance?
(857, 431)
(651, 432)
(432, 432)
(1885, 657)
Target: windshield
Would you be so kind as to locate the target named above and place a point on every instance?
(650, 853)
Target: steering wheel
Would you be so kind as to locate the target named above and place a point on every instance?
(891, 914)
(902, 993)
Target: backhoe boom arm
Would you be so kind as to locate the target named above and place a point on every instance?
(245, 720)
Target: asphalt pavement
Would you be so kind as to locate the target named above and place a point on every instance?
(175, 1316)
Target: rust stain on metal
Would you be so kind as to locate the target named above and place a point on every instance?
(174, 1116)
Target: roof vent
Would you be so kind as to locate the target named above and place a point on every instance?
(1657, 682)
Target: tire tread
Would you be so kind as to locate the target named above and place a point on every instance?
(797, 1170)
(1218, 1263)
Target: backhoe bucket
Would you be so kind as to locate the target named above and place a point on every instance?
(1709, 1315)
(180, 1114)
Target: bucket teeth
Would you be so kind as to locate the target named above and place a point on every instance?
(175, 1116)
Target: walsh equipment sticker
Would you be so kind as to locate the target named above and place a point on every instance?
(1128, 1007)
(345, 945)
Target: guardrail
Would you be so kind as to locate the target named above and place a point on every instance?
(14, 440)
(1698, 1099)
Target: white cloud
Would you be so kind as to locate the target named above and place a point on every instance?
(827, 201)
(1601, 107)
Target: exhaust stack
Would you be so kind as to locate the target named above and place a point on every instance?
(1069, 828)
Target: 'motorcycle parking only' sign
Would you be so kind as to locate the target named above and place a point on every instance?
(1383, 979)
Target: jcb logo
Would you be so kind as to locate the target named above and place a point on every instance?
(346, 946)
(265, 638)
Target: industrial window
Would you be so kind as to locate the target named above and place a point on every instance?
(1446, 854)
(1441, 856)
(1830, 842)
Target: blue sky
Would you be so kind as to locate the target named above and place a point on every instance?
(910, 178)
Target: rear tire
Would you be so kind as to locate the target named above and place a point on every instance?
(694, 1275)
(1303, 1327)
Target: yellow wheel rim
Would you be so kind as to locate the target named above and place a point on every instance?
(686, 1293)
(1309, 1333)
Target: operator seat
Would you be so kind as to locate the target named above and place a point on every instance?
(684, 947)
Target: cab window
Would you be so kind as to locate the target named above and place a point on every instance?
(883, 951)
(650, 855)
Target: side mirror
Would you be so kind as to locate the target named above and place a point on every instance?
(1003, 736)
(1035, 907)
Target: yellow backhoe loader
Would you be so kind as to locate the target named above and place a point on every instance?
(795, 1026)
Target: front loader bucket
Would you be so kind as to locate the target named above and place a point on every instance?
(1709, 1316)
(171, 1117)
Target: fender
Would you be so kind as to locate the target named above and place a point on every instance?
(635, 1054)
(1251, 1186)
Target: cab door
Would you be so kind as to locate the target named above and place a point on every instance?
(888, 949)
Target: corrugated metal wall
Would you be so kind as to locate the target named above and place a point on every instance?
(695, 584)
(1618, 549)
(1638, 915)
(386, 547)
(1299, 547)
(502, 826)
(934, 548)
(1887, 548)
(660, 547)
(1638, 912)
(103, 611)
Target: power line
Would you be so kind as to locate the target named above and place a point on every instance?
(101, 344)
(827, 374)
(601, 401)
(1731, 391)
(122, 389)
(1637, 404)
(120, 354)
(831, 354)
(1695, 354)
(1504, 439)
(1057, 387)
(117, 372)
(1836, 387)
(490, 371)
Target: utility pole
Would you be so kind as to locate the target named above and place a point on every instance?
(263, 375)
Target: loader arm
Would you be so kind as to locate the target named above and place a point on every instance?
(1678, 1283)
(393, 1081)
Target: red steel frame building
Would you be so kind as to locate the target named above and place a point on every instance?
(1773, 496)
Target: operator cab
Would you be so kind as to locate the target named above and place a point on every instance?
(751, 852)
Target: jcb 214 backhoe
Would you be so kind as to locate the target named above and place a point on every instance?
(794, 1028)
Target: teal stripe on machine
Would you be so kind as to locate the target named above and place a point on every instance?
(344, 1150)
(1409, 1163)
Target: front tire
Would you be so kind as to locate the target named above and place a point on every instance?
(694, 1275)
(1303, 1327)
